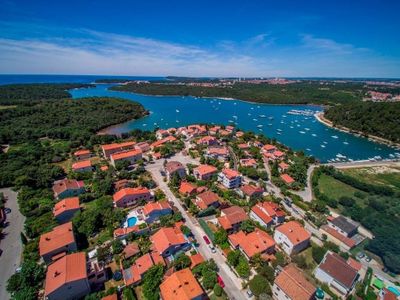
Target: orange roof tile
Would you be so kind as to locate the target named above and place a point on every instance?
(269, 147)
(180, 285)
(141, 265)
(294, 284)
(278, 153)
(261, 214)
(294, 231)
(344, 239)
(253, 243)
(165, 238)
(117, 145)
(110, 297)
(206, 199)
(230, 173)
(205, 169)
(126, 230)
(168, 139)
(283, 165)
(218, 151)
(250, 190)
(154, 206)
(129, 192)
(65, 205)
(67, 269)
(187, 188)
(59, 237)
(126, 154)
(60, 186)
(81, 152)
(81, 164)
(231, 216)
(196, 259)
(287, 178)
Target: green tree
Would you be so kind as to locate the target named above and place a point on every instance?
(243, 267)
(151, 282)
(233, 257)
(182, 261)
(247, 226)
(218, 290)
(220, 237)
(259, 285)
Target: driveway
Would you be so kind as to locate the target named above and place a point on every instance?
(11, 244)
(233, 285)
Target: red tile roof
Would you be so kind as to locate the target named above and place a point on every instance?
(141, 265)
(218, 151)
(67, 184)
(283, 165)
(187, 188)
(173, 166)
(81, 164)
(231, 216)
(59, 237)
(181, 285)
(110, 297)
(287, 178)
(344, 239)
(253, 243)
(67, 269)
(66, 205)
(167, 237)
(294, 231)
(196, 259)
(294, 284)
(205, 169)
(250, 190)
(206, 199)
(337, 268)
(130, 192)
(81, 152)
(131, 249)
(117, 145)
(155, 206)
(168, 139)
(269, 147)
(230, 173)
(126, 154)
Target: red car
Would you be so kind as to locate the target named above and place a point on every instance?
(205, 238)
(220, 281)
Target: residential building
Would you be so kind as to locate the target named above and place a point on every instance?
(232, 217)
(67, 188)
(336, 273)
(116, 147)
(343, 225)
(251, 192)
(248, 162)
(134, 274)
(267, 214)
(204, 172)
(130, 250)
(230, 178)
(219, 153)
(291, 284)
(268, 148)
(131, 196)
(196, 259)
(207, 141)
(181, 285)
(161, 133)
(142, 146)
(250, 244)
(168, 241)
(345, 243)
(82, 166)
(159, 143)
(82, 154)
(292, 237)
(65, 209)
(175, 167)
(282, 167)
(187, 188)
(287, 179)
(152, 211)
(67, 278)
(207, 199)
(56, 243)
(132, 156)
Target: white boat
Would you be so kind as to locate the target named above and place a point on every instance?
(346, 143)
(255, 120)
(262, 116)
(177, 110)
(307, 129)
(334, 136)
(323, 146)
(144, 124)
(313, 134)
(302, 132)
(291, 127)
(235, 117)
(259, 126)
(340, 155)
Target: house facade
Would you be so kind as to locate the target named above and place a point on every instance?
(292, 237)
(131, 196)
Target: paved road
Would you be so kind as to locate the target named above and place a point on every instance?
(233, 285)
(365, 163)
(306, 194)
(11, 244)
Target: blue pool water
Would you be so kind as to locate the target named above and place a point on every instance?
(297, 131)
(132, 221)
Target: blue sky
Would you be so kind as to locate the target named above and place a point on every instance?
(351, 38)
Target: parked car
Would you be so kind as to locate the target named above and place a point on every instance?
(368, 259)
(360, 255)
(205, 238)
(249, 293)
(7, 210)
(220, 281)
(213, 250)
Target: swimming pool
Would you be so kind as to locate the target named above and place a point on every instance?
(132, 221)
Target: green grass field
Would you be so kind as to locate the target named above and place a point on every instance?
(389, 176)
(334, 188)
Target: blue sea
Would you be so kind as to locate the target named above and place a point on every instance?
(297, 131)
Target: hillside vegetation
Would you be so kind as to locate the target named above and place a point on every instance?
(379, 119)
(39, 111)
(309, 92)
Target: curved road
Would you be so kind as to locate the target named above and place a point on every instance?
(11, 243)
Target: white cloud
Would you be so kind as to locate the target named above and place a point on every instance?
(82, 51)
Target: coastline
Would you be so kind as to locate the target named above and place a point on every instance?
(321, 118)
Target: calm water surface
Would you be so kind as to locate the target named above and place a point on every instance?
(299, 132)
